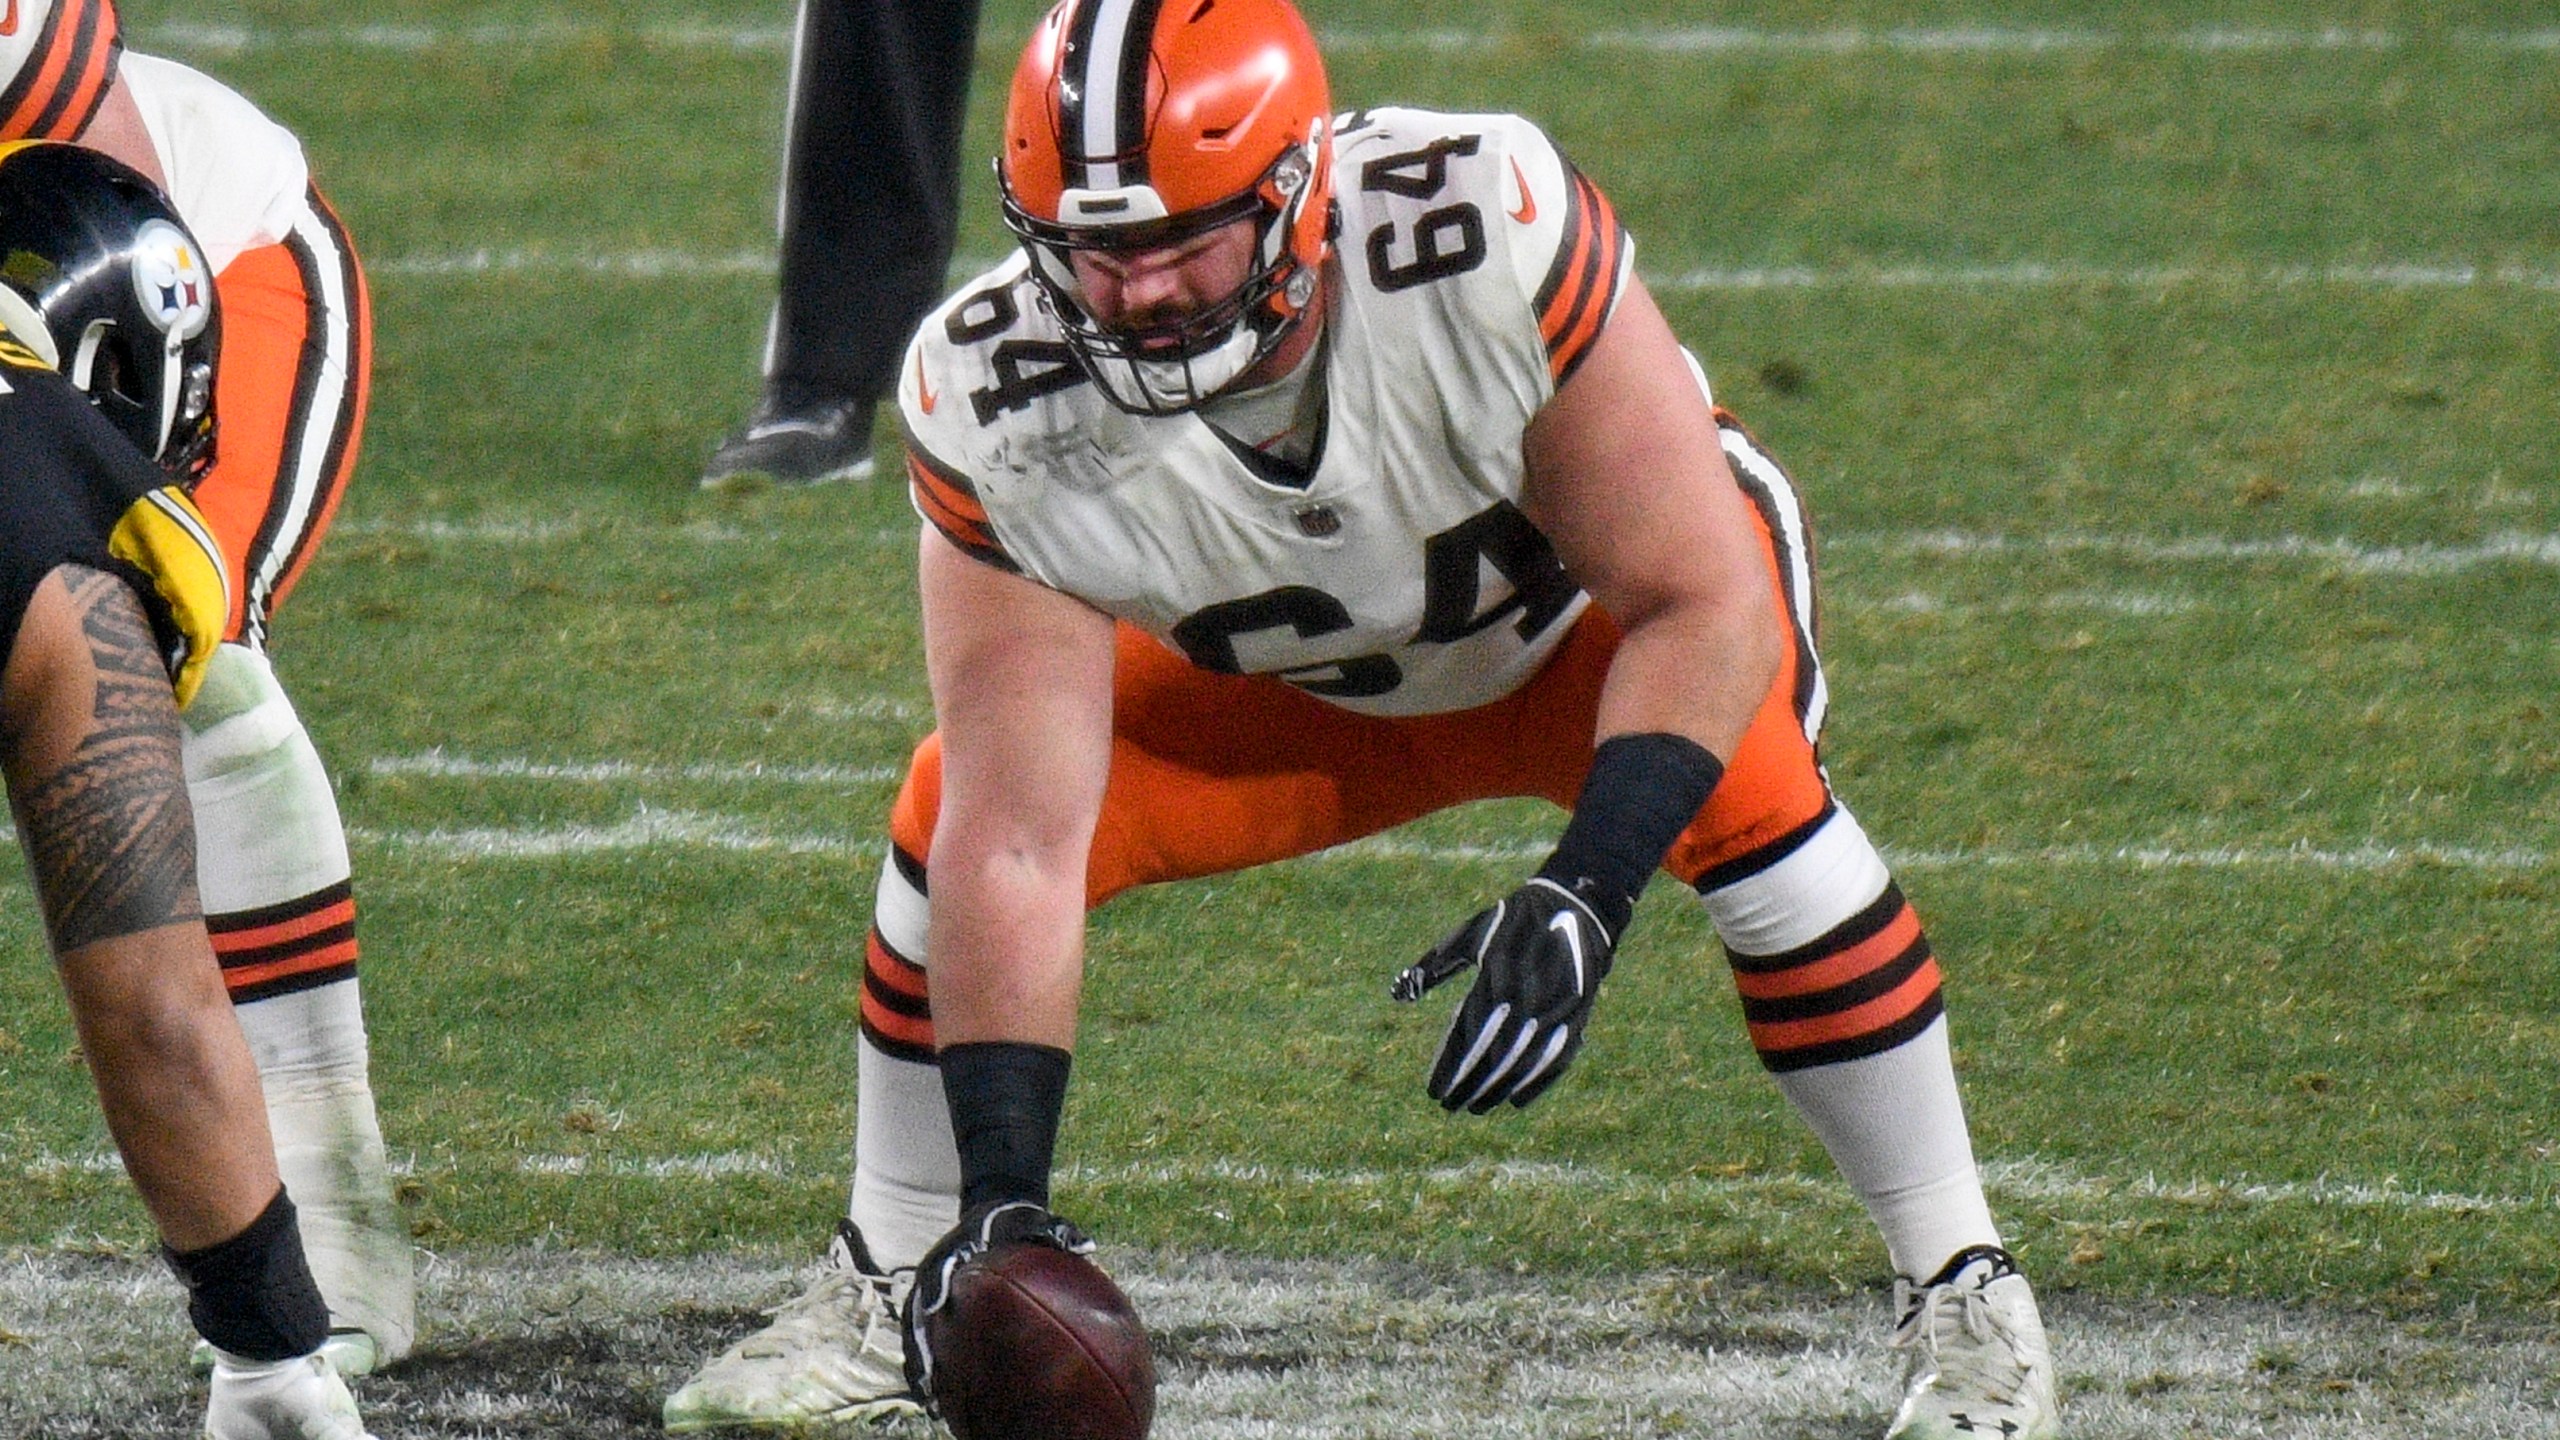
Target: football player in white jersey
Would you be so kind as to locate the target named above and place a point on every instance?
(296, 355)
(1302, 476)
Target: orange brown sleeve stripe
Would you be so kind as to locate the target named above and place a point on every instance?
(945, 497)
(896, 1015)
(66, 77)
(283, 948)
(1582, 284)
(1866, 987)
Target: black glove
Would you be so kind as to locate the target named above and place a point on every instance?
(983, 1228)
(1540, 954)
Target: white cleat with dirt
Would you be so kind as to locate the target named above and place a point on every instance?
(835, 1354)
(1980, 1368)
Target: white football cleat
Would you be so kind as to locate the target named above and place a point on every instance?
(834, 1354)
(280, 1400)
(1980, 1368)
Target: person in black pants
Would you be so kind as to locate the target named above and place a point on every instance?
(870, 210)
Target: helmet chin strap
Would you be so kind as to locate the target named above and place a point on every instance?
(84, 359)
(173, 384)
(27, 327)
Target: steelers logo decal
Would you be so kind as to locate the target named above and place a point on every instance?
(171, 281)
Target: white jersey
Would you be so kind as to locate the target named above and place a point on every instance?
(1474, 267)
(236, 177)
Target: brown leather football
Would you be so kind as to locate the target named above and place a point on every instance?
(1038, 1344)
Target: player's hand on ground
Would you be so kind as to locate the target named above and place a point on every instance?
(983, 1228)
(1539, 956)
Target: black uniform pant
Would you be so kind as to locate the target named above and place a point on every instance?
(870, 187)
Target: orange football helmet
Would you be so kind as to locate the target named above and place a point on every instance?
(1139, 123)
(57, 58)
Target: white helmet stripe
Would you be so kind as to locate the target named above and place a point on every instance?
(1113, 88)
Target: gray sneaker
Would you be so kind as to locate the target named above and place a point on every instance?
(794, 441)
(833, 1354)
(1980, 1367)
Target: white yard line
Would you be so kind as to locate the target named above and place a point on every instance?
(1702, 279)
(621, 265)
(2513, 548)
(647, 829)
(2416, 560)
(442, 765)
(2026, 1179)
(1669, 41)
(652, 827)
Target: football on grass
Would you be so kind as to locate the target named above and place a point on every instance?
(1038, 1344)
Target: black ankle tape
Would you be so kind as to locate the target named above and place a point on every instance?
(252, 1295)
(1006, 1099)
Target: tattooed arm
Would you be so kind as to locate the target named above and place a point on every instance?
(89, 742)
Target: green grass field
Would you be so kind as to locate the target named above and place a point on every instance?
(2172, 383)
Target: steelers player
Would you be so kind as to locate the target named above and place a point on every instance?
(1299, 477)
(296, 353)
(111, 589)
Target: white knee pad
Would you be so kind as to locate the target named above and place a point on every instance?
(267, 827)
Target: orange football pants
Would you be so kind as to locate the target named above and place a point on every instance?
(290, 392)
(1212, 773)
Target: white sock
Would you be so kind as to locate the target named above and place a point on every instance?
(906, 1168)
(311, 1054)
(267, 835)
(1894, 1124)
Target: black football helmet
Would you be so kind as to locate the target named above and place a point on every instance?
(100, 278)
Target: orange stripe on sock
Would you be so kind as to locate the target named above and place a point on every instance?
(893, 972)
(1849, 1024)
(1868, 955)
(325, 958)
(906, 1029)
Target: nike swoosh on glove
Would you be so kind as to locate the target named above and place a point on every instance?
(1539, 956)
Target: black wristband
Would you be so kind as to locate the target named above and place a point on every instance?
(1643, 790)
(1006, 1098)
(252, 1295)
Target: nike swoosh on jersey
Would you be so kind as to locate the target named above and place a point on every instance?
(1528, 211)
(924, 388)
(9, 22)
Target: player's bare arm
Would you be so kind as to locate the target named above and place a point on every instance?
(1627, 477)
(1021, 679)
(94, 777)
(90, 728)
